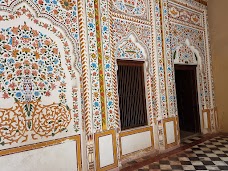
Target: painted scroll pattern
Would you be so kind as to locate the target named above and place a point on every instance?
(26, 121)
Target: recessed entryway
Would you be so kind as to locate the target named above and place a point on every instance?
(187, 100)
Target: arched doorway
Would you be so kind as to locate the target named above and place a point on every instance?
(187, 99)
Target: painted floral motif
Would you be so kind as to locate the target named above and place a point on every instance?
(65, 12)
(67, 4)
(136, 8)
(186, 55)
(181, 33)
(30, 65)
(75, 109)
(94, 67)
(129, 50)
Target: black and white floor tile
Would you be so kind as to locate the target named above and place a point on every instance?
(210, 155)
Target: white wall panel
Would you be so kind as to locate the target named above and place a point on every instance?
(135, 142)
(170, 134)
(61, 157)
(106, 151)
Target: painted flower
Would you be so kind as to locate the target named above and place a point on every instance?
(36, 93)
(25, 27)
(2, 37)
(5, 95)
(11, 60)
(12, 86)
(2, 67)
(47, 42)
(34, 73)
(7, 47)
(26, 50)
(18, 94)
(41, 85)
(53, 86)
(48, 93)
(15, 30)
(18, 72)
(62, 96)
(27, 71)
(67, 4)
(26, 62)
(56, 61)
(43, 50)
(9, 76)
(34, 66)
(50, 68)
(14, 53)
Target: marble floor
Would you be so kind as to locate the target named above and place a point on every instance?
(196, 153)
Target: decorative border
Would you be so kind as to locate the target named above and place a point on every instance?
(133, 19)
(136, 131)
(208, 119)
(174, 119)
(25, 148)
(100, 63)
(97, 136)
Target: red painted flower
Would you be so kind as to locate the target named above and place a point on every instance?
(5, 95)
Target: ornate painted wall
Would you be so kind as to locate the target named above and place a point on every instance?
(40, 72)
(58, 74)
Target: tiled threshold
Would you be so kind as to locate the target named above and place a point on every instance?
(187, 143)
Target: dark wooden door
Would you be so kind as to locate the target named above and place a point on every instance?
(187, 98)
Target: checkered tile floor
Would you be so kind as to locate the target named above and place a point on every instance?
(210, 155)
(191, 139)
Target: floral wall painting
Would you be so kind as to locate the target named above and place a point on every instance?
(58, 69)
(38, 80)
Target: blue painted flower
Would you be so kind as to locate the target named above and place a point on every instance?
(41, 62)
(2, 67)
(48, 8)
(96, 104)
(91, 25)
(94, 65)
(56, 61)
(105, 28)
(110, 103)
(10, 41)
(18, 94)
(36, 93)
(54, 2)
(76, 36)
(107, 66)
(11, 60)
(50, 68)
